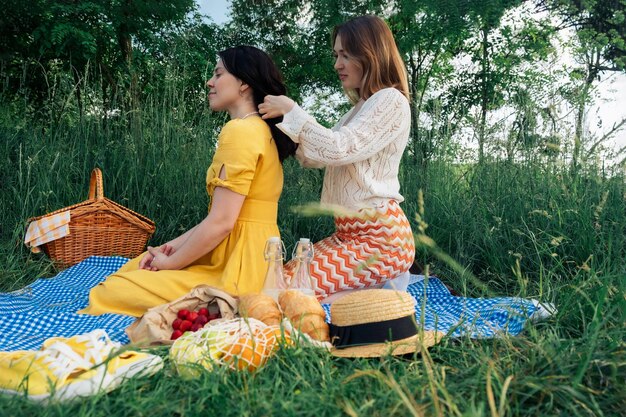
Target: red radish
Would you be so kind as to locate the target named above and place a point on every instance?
(213, 316)
(195, 327)
(185, 325)
(182, 314)
(176, 334)
(176, 324)
(203, 312)
(192, 316)
(201, 320)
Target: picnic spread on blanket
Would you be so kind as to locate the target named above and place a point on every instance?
(47, 310)
(85, 331)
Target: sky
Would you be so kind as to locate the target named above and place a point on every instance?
(216, 9)
(610, 108)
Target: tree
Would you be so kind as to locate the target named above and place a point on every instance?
(139, 18)
(600, 27)
(81, 32)
(276, 27)
(504, 74)
(429, 34)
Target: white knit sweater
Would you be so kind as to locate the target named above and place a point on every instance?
(361, 157)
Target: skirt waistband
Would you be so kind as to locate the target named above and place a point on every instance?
(390, 215)
(259, 211)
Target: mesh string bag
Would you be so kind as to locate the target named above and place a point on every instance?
(241, 344)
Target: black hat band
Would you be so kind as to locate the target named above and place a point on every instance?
(369, 333)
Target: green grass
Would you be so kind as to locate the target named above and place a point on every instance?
(524, 229)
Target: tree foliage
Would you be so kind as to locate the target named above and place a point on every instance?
(601, 24)
(102, 33)
(467, 60)
(600, 46)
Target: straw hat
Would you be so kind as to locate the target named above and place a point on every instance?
(376, 322)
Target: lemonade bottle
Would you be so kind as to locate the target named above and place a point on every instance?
(274, 278)
(303, 255)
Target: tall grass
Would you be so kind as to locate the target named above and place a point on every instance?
(508, 222)
(521, 229)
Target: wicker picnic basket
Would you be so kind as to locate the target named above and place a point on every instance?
(99, 226)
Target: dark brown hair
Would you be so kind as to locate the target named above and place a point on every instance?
(255, 68)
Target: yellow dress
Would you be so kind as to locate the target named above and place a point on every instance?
(249, 156)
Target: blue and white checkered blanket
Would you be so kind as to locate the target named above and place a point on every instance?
(437, 309)
(48, 306)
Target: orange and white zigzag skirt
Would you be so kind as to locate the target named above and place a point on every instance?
(365, 251)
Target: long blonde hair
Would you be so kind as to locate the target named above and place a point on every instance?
(370, 41)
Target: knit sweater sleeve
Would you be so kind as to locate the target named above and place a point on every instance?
(377, 124)
(306, 162)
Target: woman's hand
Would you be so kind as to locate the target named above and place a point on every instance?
(148, 259)
(160, 257)
(275, 106)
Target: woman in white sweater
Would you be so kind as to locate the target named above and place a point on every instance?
(361, 153)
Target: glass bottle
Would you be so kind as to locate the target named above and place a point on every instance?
(274, 278)
(301, 279)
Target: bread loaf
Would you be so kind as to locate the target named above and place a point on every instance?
(261, 307)
(305, 313)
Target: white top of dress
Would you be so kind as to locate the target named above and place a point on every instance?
(362, 157)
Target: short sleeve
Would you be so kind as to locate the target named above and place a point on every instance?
(239, 148)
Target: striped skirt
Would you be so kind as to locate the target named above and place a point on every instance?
(366, 250)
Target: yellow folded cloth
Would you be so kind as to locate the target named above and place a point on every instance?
(71, 368)
(47, 229)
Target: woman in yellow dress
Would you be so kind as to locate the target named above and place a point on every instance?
(244, 181)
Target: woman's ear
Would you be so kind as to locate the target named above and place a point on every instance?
(243, 88)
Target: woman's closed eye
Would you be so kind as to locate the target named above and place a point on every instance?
(343, 56)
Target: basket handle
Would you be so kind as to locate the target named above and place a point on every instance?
(96, 189)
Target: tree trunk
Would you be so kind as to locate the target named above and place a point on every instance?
(592, 72)
(415, 139)
(126, 46)
(3, 76)
(79, 98)
(484, 98)
(578, 133)
(422, 147)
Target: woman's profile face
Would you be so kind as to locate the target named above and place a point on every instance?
(223, 88)
(347, 67)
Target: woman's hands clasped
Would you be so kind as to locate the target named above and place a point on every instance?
(275, 106)
(156, 258)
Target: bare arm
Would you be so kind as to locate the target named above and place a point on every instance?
(177, 242)
(205, 236)
(167, 248)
